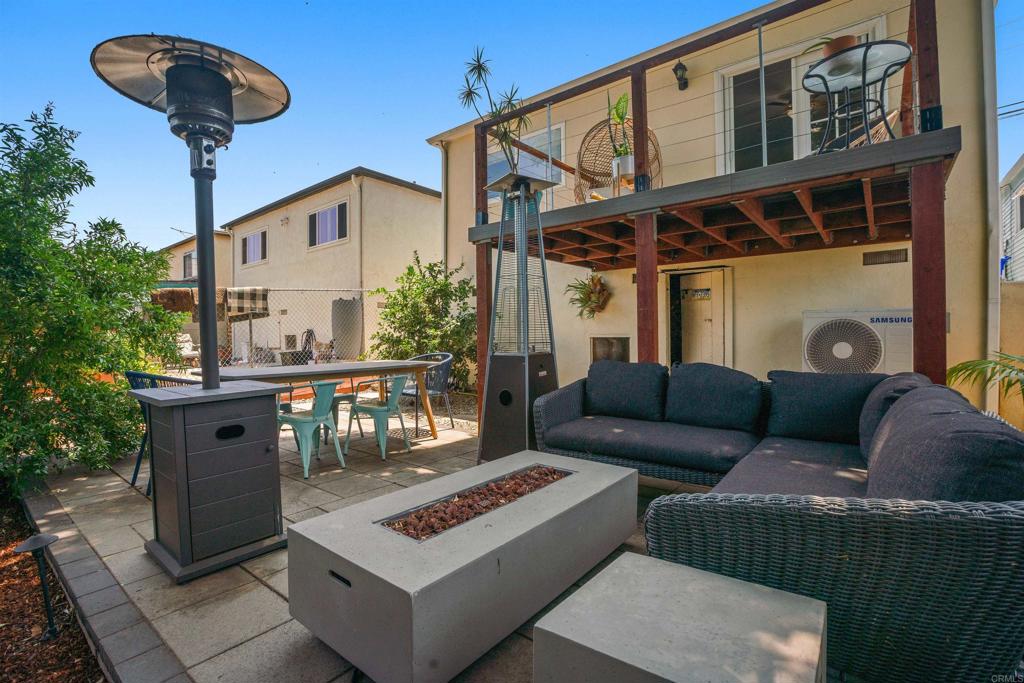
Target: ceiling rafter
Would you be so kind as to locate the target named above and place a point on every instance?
(753, 208)
(869, 208)
(807, 203)
(695, 218)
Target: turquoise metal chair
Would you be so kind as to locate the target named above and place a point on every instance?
(380, 413)
(306, 426)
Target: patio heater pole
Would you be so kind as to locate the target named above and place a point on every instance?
(764, 105)
(204, 170)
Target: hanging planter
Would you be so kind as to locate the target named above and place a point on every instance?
(589, 295)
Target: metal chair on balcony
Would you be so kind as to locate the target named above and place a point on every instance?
(145, 380)
(436, 378)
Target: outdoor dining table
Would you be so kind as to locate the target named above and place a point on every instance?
(293, 374)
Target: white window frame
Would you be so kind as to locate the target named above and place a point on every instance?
(557, 132)
(332, 243)
(241, 241)
(195, 262)
(724, 160)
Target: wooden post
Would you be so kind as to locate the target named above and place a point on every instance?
(927, 201)
(483, 266)
(645, 230)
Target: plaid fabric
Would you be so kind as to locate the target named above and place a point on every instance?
(247, 303)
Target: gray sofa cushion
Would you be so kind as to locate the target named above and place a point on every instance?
(708, 395)
(797, 467)
(666, 443)
(933, 445)
(878, 402)
(808, 405)
(633, 390)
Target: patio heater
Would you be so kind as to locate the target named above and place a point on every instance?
(213, 449)
(521, 351)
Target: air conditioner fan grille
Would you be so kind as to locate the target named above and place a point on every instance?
(843, 345)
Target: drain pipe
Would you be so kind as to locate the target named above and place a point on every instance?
(443, 147)
(988, 61)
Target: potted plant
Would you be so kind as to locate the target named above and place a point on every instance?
(830, 46)
(475, 88)
(623, 166)
(589, 295)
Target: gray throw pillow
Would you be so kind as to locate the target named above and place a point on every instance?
(633, 390)
(817, 407)
(706, 395)
(881, 398)
(934, 445)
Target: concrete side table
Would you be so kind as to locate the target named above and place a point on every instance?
(645, 620)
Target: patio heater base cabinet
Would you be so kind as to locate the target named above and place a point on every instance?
(508, 404)
(216, 481)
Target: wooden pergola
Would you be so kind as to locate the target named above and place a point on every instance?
(884, 192)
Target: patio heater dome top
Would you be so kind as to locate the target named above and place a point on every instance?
(204, 89)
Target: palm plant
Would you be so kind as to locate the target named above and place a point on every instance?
(589, 295)
(1005, 370)
(617, 116)
(476, 93)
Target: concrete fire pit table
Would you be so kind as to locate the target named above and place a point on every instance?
(401, 610)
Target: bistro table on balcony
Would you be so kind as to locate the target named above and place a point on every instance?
(856, 67)
(292, 374)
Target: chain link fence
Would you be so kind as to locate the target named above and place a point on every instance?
(296, 326)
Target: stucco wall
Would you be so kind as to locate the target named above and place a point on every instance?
(771, 292)
(1011, 340)
(221, 252)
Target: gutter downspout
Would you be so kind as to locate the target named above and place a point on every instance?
(443, 147)
(988, 60)
(357, 182)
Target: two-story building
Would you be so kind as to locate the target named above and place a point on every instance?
(183, 273)
(320, 250)
(748, 239)
(1011, 197)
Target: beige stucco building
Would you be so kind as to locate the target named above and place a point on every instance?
(182, 261)
(322, 249)
(753, 306)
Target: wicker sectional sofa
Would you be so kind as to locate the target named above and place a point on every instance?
(890, 498)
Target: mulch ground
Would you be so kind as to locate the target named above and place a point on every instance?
(23, 619)
(429, 521)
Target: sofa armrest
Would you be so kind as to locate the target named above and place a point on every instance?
(559, 406)
(910, 585)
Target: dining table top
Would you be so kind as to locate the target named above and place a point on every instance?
(313, 371)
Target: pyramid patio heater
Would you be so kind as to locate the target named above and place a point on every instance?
(521, 352)
(213, 449)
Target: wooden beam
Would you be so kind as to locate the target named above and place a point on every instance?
(680, 243)
(926, 35)
(606, 233)
(928, 242)
(907, 127)
(754, 210)
(695, 217)
(807, 203)
(869, 209)
(646, 289)
(638, 86)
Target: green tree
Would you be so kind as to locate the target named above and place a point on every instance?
(428, 311)
(74, 304)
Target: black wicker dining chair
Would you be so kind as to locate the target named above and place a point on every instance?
(436, 379)
(145, 380)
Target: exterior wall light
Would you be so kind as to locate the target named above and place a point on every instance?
(680, 72)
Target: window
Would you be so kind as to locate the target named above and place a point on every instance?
(746, 115)
(254, 247)
(188, 265)
(327, 225)
(529, 164)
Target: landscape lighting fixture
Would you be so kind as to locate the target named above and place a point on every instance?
(204, 90)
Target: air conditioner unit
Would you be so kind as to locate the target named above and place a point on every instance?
(858, 341)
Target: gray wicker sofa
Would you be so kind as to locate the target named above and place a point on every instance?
(891, 499)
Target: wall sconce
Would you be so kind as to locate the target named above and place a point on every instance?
(680, 72)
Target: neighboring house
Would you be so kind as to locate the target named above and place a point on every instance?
(182, 259)
(1011, 199)
(182, 262)
(734, 253)
(320, 249)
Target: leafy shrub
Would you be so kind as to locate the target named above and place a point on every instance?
(429, 311)
(75, 305)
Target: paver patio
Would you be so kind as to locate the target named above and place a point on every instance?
(234, 625)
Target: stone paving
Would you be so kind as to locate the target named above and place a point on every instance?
(234, 625)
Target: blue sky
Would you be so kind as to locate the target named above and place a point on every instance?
(369, 81)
